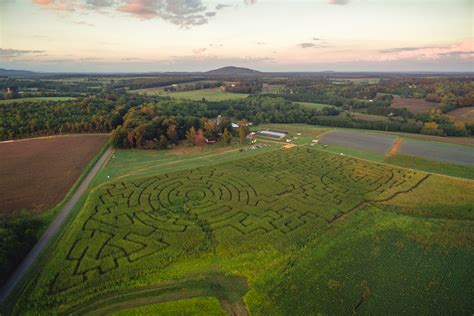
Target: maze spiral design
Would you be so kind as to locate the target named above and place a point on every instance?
(186, 213)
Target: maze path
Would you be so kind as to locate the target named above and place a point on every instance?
(170, 216)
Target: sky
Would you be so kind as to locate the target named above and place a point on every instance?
(267, 35)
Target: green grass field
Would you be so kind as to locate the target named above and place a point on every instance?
(449, 169)
(195, 306)
(38, 99)
(214, 94)
(317, 106)
(272, 231)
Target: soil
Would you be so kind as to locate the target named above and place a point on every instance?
(36, 174)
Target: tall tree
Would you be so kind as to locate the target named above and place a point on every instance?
(243, 130)
(191, 136)
(227, 136)
(163, 142)
(172, 135)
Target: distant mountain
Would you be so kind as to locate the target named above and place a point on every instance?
(13, 72)
(233, 71)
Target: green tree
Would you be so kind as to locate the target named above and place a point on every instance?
(243, 130)
(163, 142)
(191, 136)
(172, 135)
(227, 136)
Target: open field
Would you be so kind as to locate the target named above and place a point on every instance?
(264, 217)
(463, 114)
(214, 94)
(433, 166)
(465, 141)
(38, 99)
(413, 105)
(376, 143)
(381, 143)
(438, 151)
(317, 106)
(36, 174)
(369, 117)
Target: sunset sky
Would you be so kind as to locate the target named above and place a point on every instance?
(267, 35)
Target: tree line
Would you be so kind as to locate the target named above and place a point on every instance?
(150, 117)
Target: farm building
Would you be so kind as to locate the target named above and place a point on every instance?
(271, 134)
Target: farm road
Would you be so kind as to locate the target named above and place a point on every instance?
(52, 229)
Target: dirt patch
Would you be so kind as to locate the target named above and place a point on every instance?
(463, 114)
(288, 146)
(377, 143)
(36, 174)
(413, 105)
(438, 151)
(395, 147)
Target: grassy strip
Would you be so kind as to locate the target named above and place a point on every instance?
(228, 288)
(194, 306)
(449, 169)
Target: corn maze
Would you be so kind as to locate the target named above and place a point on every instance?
(145, 225)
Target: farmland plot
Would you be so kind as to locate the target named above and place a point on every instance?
(137, 231)
(438, 151)
(376, 143)
(36, 174)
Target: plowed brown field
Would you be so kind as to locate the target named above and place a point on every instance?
(413, 105)
(36, 174)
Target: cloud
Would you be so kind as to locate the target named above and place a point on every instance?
(100, 3)
(463, 50)
(199, 51)
(398, 50)
(184, 13)
(222, 6)
(43, 2)
(84, 23)
(215, 45)
(261, 43)
(307, 45)
(339, 2)
(130, 59)
(57, 5)
(8, 53)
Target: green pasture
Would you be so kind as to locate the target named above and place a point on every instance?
(272, 231)
(316, 106)
(213, 94)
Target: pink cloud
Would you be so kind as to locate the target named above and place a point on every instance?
(463, 50)
(60, 5)
(144, 9)
(43, 2)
